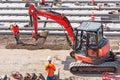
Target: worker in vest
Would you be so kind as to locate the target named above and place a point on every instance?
(15, 31)
(50, 68)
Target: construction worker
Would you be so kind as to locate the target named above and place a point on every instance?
(92, 38)
(15, 31)
(50, 68)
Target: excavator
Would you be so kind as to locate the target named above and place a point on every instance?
(90, 47)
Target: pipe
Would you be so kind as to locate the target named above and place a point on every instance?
(61, 8)
(23, 32)
(66, 14)
(71, 21)
(55, 28)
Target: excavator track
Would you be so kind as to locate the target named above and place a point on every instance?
(80, 67)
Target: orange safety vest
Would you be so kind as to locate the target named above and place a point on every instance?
(50, 68)
(15, 30)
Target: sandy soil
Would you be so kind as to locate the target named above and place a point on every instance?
(24, 60)
(33, 61)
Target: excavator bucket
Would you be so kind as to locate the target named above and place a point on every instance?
(42, 38)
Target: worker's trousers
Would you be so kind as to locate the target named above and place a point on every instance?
(50, 78)
(17, 38)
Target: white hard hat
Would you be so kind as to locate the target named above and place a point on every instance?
(49, 58)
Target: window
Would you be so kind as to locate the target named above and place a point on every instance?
(100, 34)
(92, 39)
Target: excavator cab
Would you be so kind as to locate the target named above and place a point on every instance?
(89, 39)
(91, 49)
(91, 43)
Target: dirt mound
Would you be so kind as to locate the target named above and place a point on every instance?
(20, 46)
(34, 47)
(44, 42)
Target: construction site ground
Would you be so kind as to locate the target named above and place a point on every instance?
(29, 59)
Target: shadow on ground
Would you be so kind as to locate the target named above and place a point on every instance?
(67, 62)
(79, 76)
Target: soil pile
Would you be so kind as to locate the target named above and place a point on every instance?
(34, 47)
(51, 42)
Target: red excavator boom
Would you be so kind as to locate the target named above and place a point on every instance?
(59, 18)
